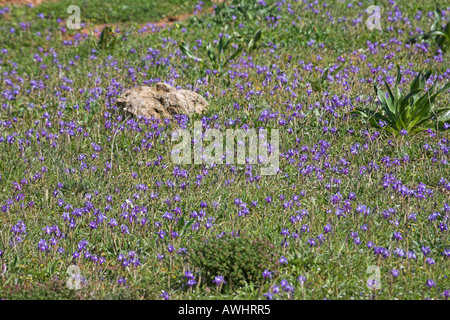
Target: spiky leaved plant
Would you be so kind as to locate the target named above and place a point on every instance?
(438, 32)
(217, 53)
(412, 112)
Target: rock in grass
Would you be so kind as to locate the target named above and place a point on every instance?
(161, 101)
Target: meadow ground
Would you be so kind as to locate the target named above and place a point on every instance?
(93, 207)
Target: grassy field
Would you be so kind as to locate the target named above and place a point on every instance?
(86, 190)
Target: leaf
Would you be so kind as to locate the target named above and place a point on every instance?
(387, 105)
(252, 43)
(257, 36)
(324, 75)
(414, 39)
(338, 69)
(445, 87)
(361, 112)
(211, 54)
(445, 117)
(234, 55)
(446, 30)
(226, 43)
(435, 33)
(374, 123)
(425, 78)
(433, 86)
(391, 130)
(180, 223)
(185, 51)
(410, 94)
(220, 47)
(399, 76)
(190, 222)
(416, 82)
(438, 14)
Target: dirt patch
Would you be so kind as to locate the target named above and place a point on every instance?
(148, 27)
(22, 2)
(97, 29)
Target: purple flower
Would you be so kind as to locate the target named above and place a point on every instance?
(218, 280)
(191, 282)
(283, 260)
(165, 295)
(431, 283)
(125, 229)
(43, 246)
(266, 273)
(411, 255)
(426, 250)
(301, 279)
(268, 295)
(412, 216)
(446, 294)
(446, 253)
(112, 222)
(397, 236)
(189, 275)
(395, 273)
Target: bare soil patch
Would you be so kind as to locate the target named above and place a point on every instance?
(22, 2)
(144, 27)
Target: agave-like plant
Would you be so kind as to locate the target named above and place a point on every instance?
(438, 32)
(410, 113)
(217, 60)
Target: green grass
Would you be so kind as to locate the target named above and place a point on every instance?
(74, 88)
(100, 12)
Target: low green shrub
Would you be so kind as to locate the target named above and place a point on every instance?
(54, 290)
(238, 259)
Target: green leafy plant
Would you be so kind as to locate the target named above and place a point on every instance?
(412, 112)
(438, 32)
(242, 10)
(217, 60)
(239, 259)
(216, 53)
(53, 290)
(323, 81)
(108, 39)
